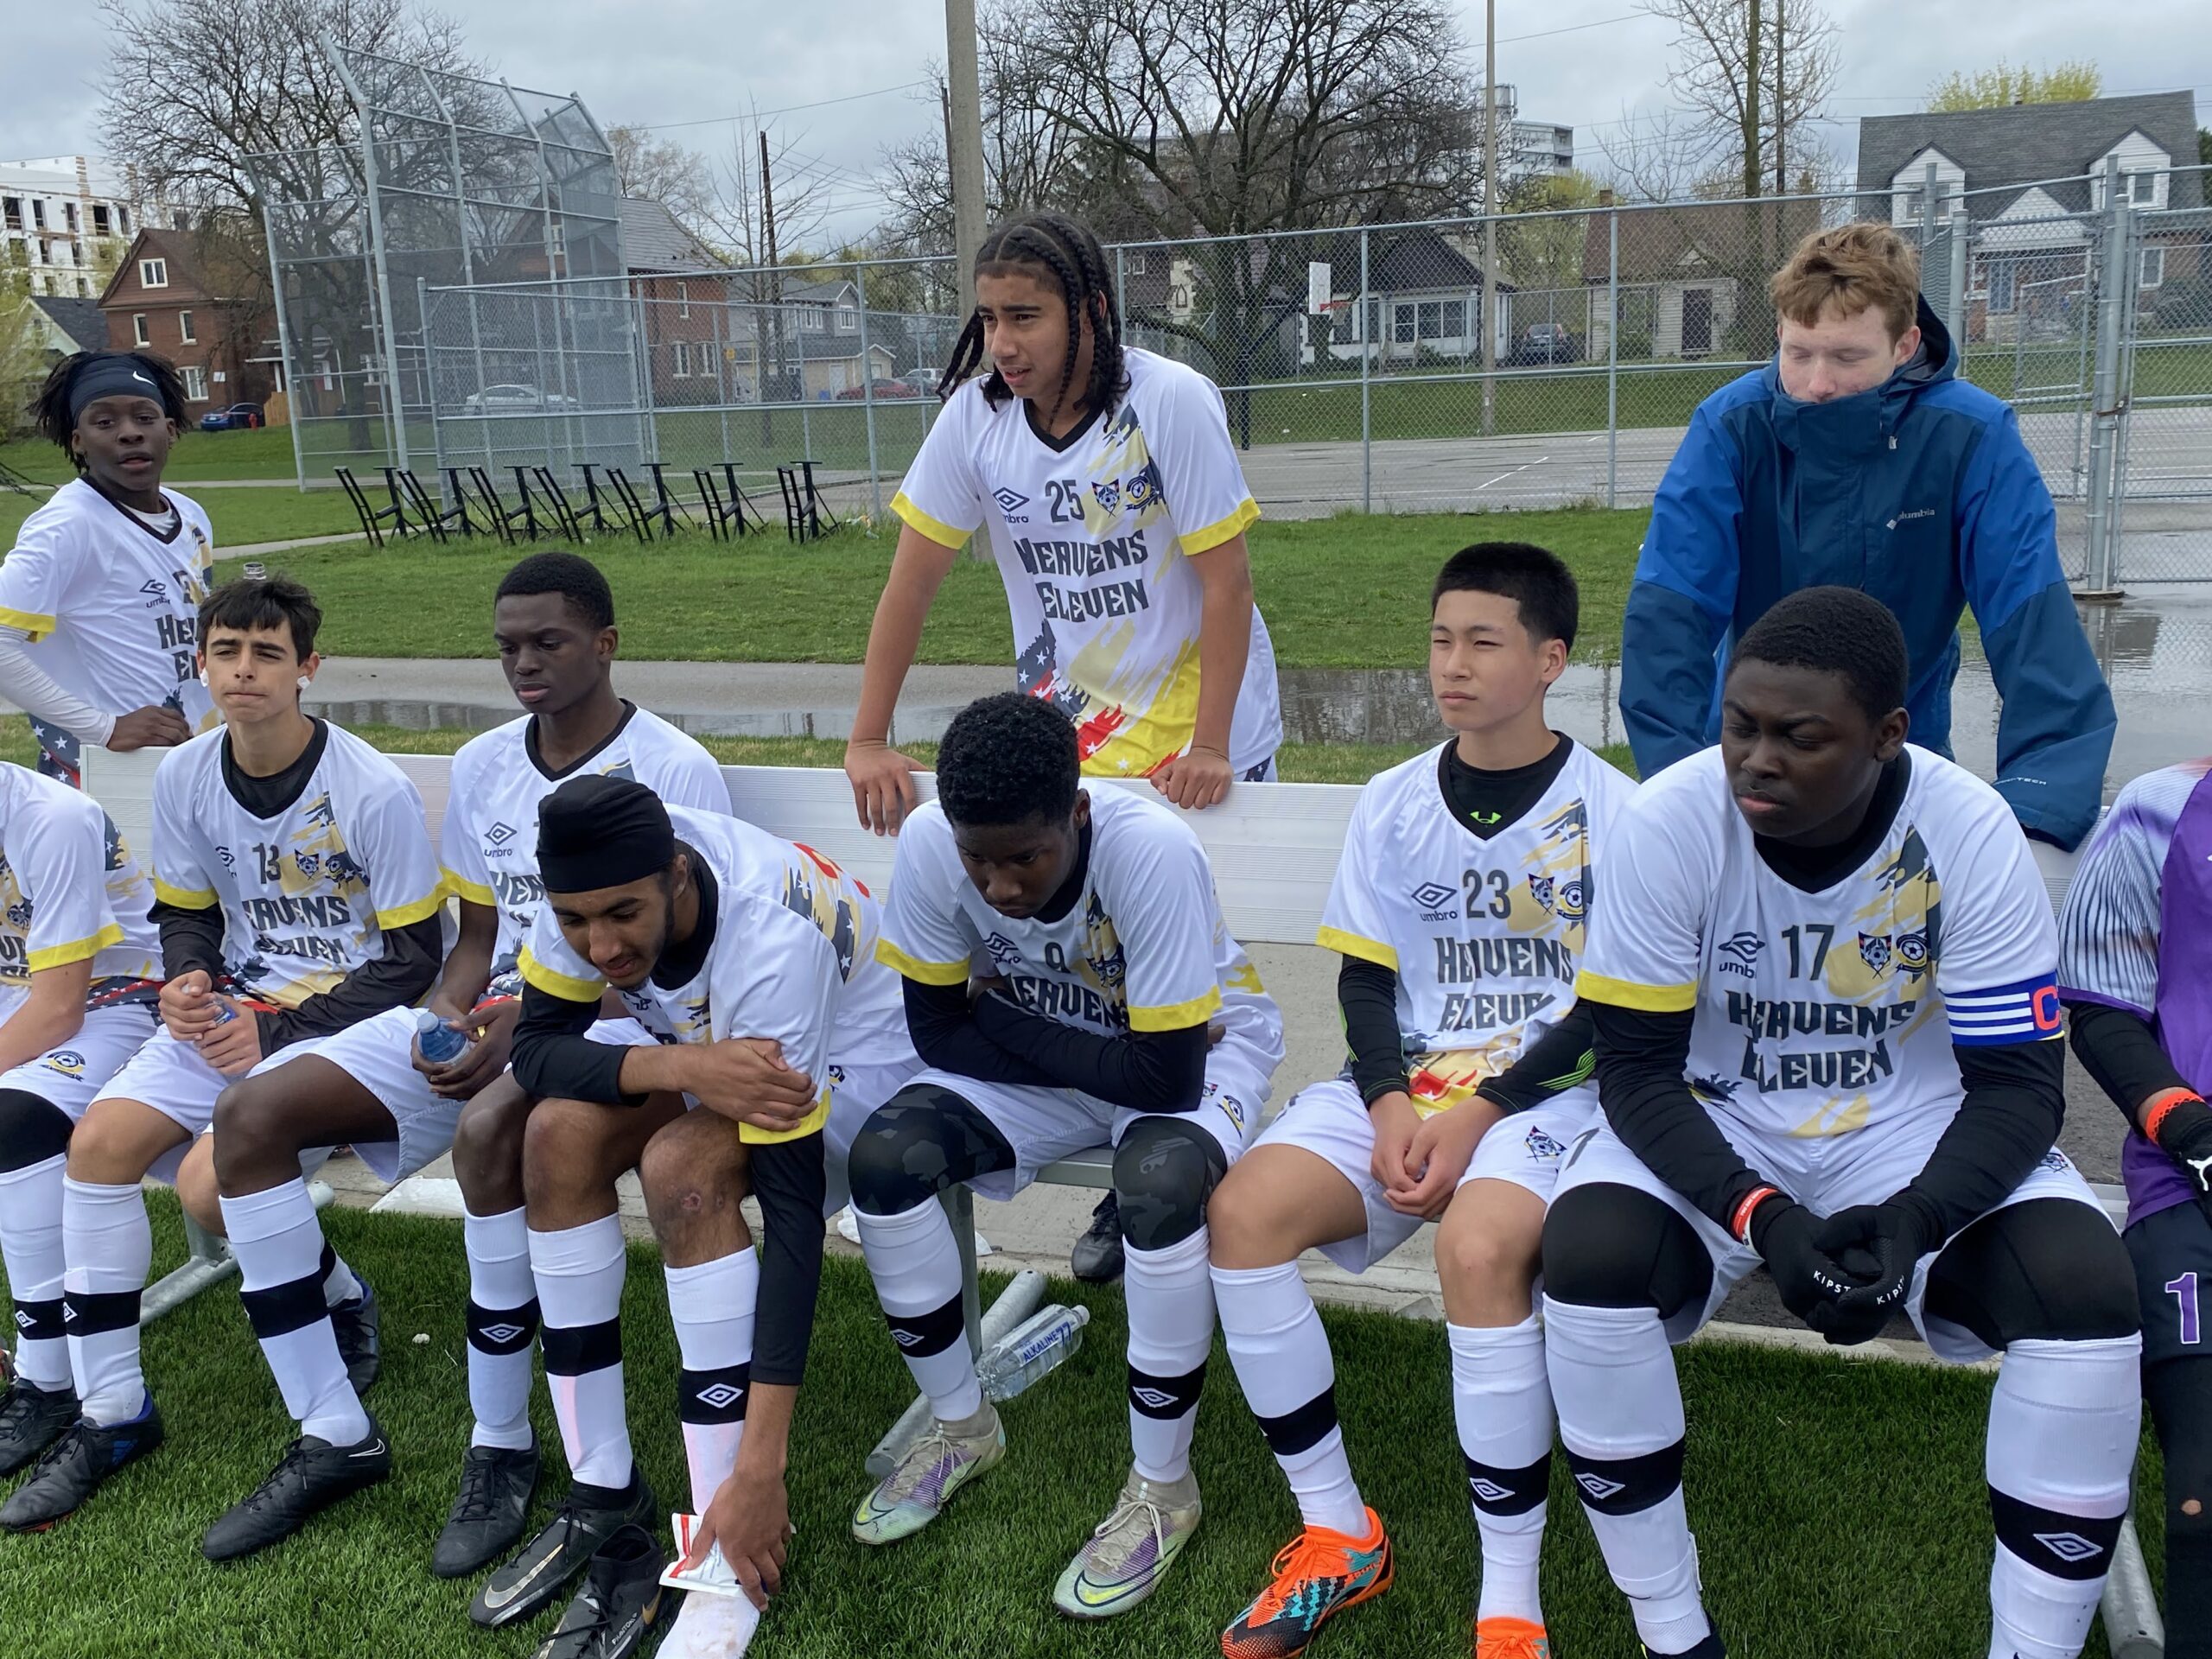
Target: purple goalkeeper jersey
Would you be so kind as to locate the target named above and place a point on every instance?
(2136, 934)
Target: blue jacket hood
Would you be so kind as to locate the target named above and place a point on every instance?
(1860, 424)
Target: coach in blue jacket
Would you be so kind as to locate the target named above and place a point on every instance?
(1858, 457)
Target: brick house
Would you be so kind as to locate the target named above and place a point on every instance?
(160, 300)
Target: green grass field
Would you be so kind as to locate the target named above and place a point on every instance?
(1840, 1506)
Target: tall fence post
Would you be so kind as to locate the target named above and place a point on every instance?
(1366, 385)
(1954, 290)
(1612, 356)
(2102, 563)
(288, 371)
(868, 392)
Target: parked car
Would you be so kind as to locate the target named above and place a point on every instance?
(1545, 342)
(886, 391)
(238, 418)
(506, 400)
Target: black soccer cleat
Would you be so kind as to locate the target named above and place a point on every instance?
(620, 1603)
(1096, 1258)
(72, 1469)
(496, 1485)
(586, 1520)
(32, 1419)
(355, 1323)
(311, 1476)
(1708, 1648)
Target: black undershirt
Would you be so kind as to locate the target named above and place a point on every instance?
(1487, 802)
(2119, 1049)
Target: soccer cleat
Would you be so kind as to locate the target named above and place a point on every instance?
(1708, 1648)
(710, 1626)
(311, 1476)
(1097, 1257)
(1510, 1638)
(620, 1602)
(32, 1419)
(1317, 1574)
(586, 1520)
(496, 1483)
(938, 1465)
(1124, 1561)
(71, 1470)
(355, 1323)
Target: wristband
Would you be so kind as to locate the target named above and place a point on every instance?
(1739, 1221)
(2162, 1107)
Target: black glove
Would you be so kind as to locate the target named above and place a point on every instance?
(1878, 1245)
(1782, 1232)
(2185, 1136)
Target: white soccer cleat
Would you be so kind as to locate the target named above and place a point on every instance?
(710, 1626)
(1124, 1561)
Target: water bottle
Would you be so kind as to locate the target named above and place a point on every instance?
(440, 1043)
(1030, 1350)
(225, 1013)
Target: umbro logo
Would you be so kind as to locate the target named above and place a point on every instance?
(1598, 1487)
(153, 585)
(1739, 955)
(1156, 1398)
(1489, 1491)
(501, 1332)
(721, 1395)
(1010, 501)
(1434, 901)
(500, 834)
(906, 1338)
(24, 1319)
(2069, 1546)
(1004, 951)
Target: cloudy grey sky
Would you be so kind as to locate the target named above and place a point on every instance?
(684, 60)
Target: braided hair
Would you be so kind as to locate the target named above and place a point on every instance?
(49, 409)
(1070, 256)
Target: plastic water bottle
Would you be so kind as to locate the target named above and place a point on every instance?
(225, 1013)
(1030, 1350)
(440, 1043)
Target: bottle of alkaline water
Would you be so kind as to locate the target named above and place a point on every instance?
(1031, 1350)
(440, 1043)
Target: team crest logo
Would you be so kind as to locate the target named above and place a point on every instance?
(310, 864)
(1912, 952)
(65, 1061)
(1542, 888)
(1108, 494)
(2056, 1162)
(1144, 489)
(19, 913)
(1544, 1146)
(1569, 897)
(1874, 950)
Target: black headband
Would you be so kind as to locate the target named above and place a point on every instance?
(120, 376)
(601, 832)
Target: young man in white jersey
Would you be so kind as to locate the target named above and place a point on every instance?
(1070, 983)
(752, 961)
(80, 967)
(296, 894)
(1459, 909)
(99, 598)
(1822, 977)
(368, 1085)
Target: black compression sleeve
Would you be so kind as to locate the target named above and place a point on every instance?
(191, 939)
(1144, 1071)
(1556, 1062)
(1368, 994)
(789, 1181)
(2118, 1049)
(944, 1028)
(552, 1058)
(398, 977)
(2015, 1102)
(1641, 1058)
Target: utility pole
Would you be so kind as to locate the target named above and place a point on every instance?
(1752, 86)
(1781, 107)
(774, 345)
(965, 154)
(1489, 217)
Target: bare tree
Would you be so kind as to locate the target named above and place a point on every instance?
(1753, 73)
(660, 170)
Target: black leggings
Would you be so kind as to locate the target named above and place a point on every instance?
(2179, 1394)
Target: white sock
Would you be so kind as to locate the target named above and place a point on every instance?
(278, 1243)
(340, 1283)
(1280, 1355)
(916, 1266)
(2063, 1424)
(30, 1245)
(713, 1305)
(579, 1273)
(109, 1244)
(1169, 1298)
(1620, 1417)
(502, 1327)
(1502, 1402)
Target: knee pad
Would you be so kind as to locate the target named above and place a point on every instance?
(1164, 1171)
(1612, 1246)
(921, 1141)
(2049, 1270)
(32, 1130)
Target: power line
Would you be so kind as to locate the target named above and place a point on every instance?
(788, 109)
(1574, 28)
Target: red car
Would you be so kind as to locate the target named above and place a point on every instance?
(885, 391)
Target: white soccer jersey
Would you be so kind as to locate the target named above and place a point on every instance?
(307, 894)
(69, 888)
(1143, 948)
(793, 960)
(1827, 1014)
(111, 606)
(1093, 537)
(489, 842)
(1484, 936)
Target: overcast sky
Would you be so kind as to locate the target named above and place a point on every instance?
(676, 61)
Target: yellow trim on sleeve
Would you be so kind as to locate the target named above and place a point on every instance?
(554, 982)
(1628, 994)
(184, 898)
(753, 1135)
(30, 622)
(1178, 1017)
(59, 956)
(935, 529)
(474, 892)
(1352, 944)
(407, 915)
(913, 967)
(1212, 535)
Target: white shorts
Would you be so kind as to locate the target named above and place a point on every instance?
(855, 1093)
(171, 1077)
(1329, 1119)
(1867, 1169)
(1044, 1125)
(72, 1075)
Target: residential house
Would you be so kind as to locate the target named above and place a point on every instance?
(70, 326)
(159, 300)
(685, 313)
(55, 216)
(1692, 277)
(2030, 178)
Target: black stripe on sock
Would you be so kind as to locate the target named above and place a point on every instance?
(919, 1335)
(1627, 1485)
(40, 1321)
(502, 1330)
(284, 1308)
(84, 1313)
(715, 1396)
(2072, 1546)
(327, 1265)
(579, 1349)
(1504, 1492)
(1303, 1428)
(1165, 1398)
